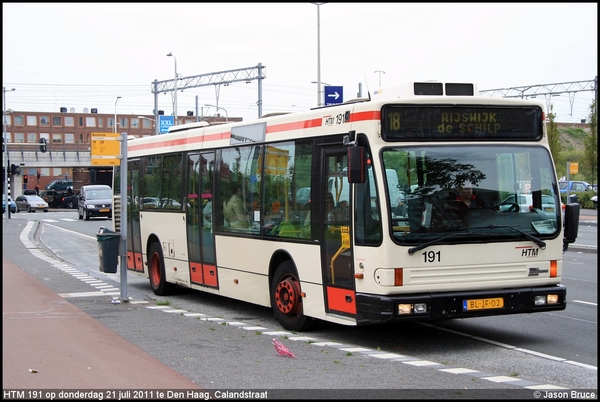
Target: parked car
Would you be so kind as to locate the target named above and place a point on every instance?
(59, 199)
(31, 203)
(525, 202)
(573, 186)
(51, 197)
(12, 206)
(150, 202)
(169, 203)
(95, 201)
(595, 201)
(67, 199)
(303, 195)
(60, 185)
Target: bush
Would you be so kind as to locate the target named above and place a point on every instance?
(584, 198)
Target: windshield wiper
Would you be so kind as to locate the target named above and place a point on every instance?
(534, 239)
(413, 250)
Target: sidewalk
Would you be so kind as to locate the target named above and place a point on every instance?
(588, 216)
(49, 344)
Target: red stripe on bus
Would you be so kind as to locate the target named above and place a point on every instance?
(297, 125)
(181, 141)
(277, 128)
(363, 116)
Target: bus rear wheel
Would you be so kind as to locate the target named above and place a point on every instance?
(286, 299)
(156, 272)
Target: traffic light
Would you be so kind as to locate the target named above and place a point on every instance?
(13, 169)
(42, 144)
(25, 179)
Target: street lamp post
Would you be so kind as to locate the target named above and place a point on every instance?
(219, 107)
(175, 91)
(319, 83)
(118, 97)
(379, 71)
(5, 143)
(319, 97)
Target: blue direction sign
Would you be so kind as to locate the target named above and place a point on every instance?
(334, 95)
(165, 122)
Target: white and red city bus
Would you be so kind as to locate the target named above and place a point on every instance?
(350, 213)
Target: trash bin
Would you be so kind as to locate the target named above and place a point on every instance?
(108, 249)
(573, 199)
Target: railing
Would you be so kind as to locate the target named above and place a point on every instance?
(68, 156)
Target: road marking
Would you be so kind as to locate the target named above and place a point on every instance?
(86, 278)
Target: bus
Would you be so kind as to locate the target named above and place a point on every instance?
(215, 208)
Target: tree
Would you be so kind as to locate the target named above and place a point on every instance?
(554, 137)
(591, 145)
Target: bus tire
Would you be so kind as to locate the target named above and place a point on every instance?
(156, 272)
(286, 299)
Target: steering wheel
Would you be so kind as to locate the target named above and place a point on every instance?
(512, 207)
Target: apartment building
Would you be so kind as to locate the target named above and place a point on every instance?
(68, 142)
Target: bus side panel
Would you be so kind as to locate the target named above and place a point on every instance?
(173, 242)
(241, 258)
(254, 255)
(247, 286)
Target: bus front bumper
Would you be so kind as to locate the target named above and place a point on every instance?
(376, 309)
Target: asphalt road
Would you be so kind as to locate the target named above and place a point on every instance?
(217, 354)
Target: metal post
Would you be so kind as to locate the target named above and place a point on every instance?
(379, 71)
(123, 185)
(568, 201)
(175, 91)
(319, 96)
(5, 143)
(118, 97)
(319, 103)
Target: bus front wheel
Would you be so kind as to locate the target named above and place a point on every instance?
(286, 299)
(156, 271)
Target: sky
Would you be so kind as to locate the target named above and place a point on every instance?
(84, 55)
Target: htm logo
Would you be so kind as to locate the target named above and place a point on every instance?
(8, 394)
(530, 252)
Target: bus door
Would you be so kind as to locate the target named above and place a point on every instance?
(134, 238)
(336, 250)
(199, 219)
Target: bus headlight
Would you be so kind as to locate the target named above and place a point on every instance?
(553, 299)
(546, 300)
(420, 308)
(407, 309)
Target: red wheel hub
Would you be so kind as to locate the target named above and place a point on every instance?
(287, 296)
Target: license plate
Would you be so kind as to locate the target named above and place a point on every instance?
(549, 209)
(104, 210)
(483, 304)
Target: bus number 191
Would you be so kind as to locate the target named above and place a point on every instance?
(431, 256)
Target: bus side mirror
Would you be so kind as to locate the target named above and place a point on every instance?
(356, 164)
(571, 223)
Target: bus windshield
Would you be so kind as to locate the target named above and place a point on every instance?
(481, 192)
